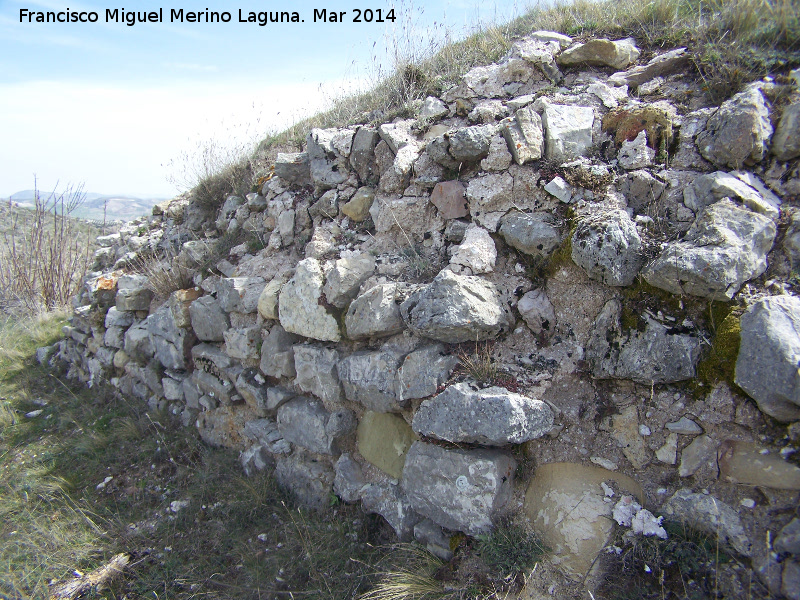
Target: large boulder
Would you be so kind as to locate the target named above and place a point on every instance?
(299, 306)
(725, 247)
(738, 133)
(767, 365)
(458, 489)
(492, 416)
(608, 247)
(456, 308)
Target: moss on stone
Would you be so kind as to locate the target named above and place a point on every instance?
(719, 364)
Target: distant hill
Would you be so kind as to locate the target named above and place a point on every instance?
(118, 207)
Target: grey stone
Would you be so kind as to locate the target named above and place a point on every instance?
(655, 355)
(788, 540)
(470, 144)
(601, 52)
(642, 191)
(790, 580)
(267, 305)
(488, 111)
(293, 168)
(658, 66)
(408, 215)
(725, 247)
(173, 389)
(636, 154)
(710, 515)
(423, 371)
(396, 178)
(398, 134)
(476, 251)
(700, 453)
(253, 392)
(309, 480)
(362, 153)
(551, 36)
(171, 344)
(327, 206)
(375, 313)
(306, 423)
(568, 131)
(684, 426)
(540, 52)
(430, 535)
(456, 308)
(118, 318)
(491, 417)
(210, 358)
(767, 365)
(738, 133)
(490, 197)
(345, 278)
(537, 311)
(266, 433)
(243, 343)
(317, 373)
(278, 396)
(458, 489)
(209, 321)
(786, 141)
(370, 378)
(524, 135)
(255, 458)
(437, 149)
(535, 233)
(389, 502)
(133, 293)
(277, 353)
(498, 80)
(433, 108)
(216, 387)
(114, 337)
(712, 187)
(560, 189)
(299, 305)
(349, 481)
(608, 247)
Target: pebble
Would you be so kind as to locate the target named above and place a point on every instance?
(748, 502)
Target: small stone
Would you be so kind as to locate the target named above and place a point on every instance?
(685, 426)
(702, 451)
(636, 154)
(745, 463)
(449, 197)
(477, 251)
(559, 189)
(668, 453)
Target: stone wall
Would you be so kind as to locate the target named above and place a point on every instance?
(569, 221)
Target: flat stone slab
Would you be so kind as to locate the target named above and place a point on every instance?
(492, 416)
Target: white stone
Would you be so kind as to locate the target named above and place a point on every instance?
(477, 251)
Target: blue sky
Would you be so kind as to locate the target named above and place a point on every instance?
(124, 109)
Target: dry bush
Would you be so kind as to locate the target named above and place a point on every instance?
(44, 253)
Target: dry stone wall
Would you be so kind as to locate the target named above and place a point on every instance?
(570, 220)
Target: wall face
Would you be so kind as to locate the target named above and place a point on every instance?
(520, 276)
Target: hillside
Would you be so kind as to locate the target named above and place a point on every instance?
(522, 322)
(95, 207)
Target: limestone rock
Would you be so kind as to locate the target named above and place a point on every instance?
(788, 540)
(456, 308)
(537, 311)
(118, 318)
(411, 214)
(492, 416)
(655, 355)
(497, 80)
(449, 197)
(499, 158)
(625, 430)
(568, 131)
(470, 144)
(712, 187)
(706, 513)
(310, 481)
(242, 343)
(540, 52)
(423, 371)
(433, 108)
(658, 66)
(524, 135)
(636, 154)
(396, 178)
(375, 313)
(738, 133)
(344, 280)
(601, 52)
(743, 462)
(357, 208)
(389, 502)
(253, 392)
(490, 197)
(383, 440)
(535, 233)
(369, 378)
(458, 489)
(349, 480)
(701, 452)
(398, 134)
(299, 308)
(766, 367)
(477, 251)
(317, 373)
(642, 191)
(668, 453)
(725, 247)
(362, 154)
(786, 141)
(566, 503)
(293, 168)
(608, 247)
(277, 353)
(133, 293)
(306, 423)
(171, 344)
(267, 305)
(558, 188)
(209, 321)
